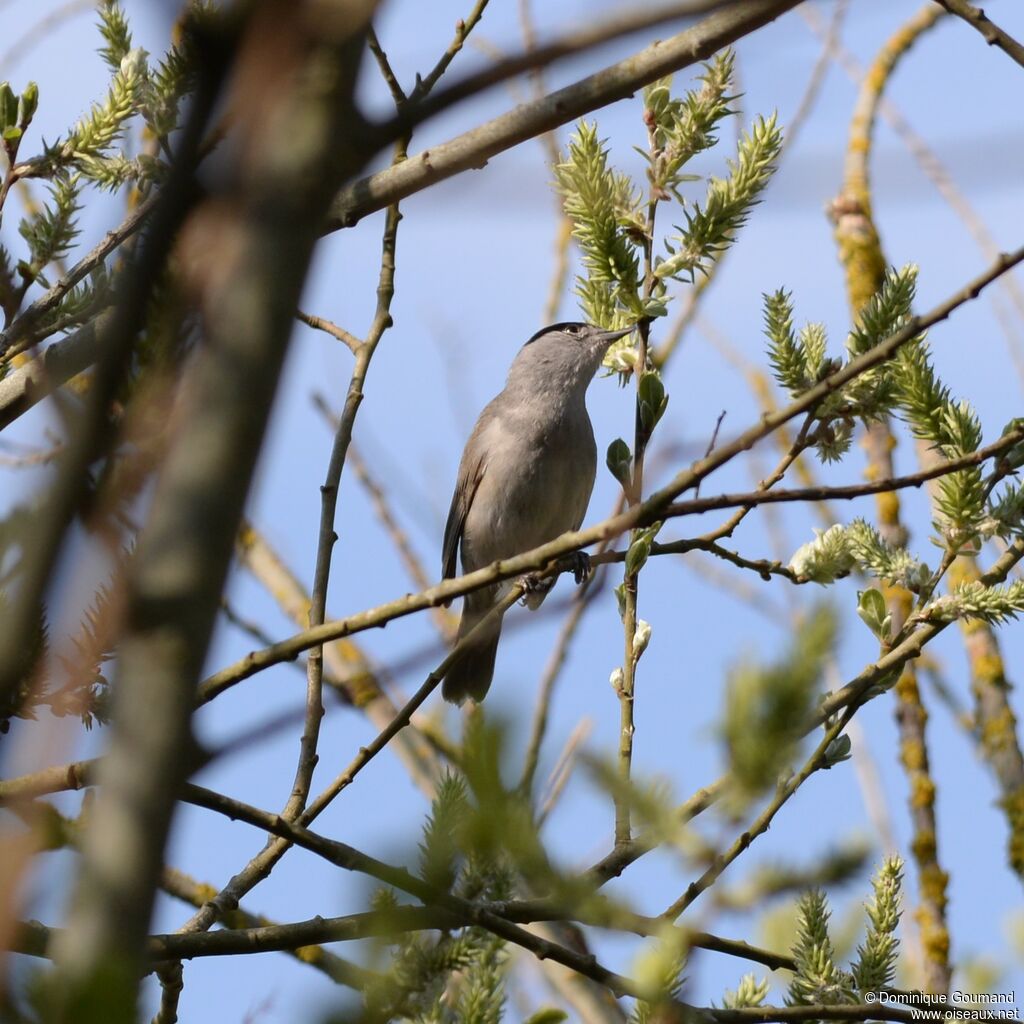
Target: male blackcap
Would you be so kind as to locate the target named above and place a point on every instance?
(525, 477)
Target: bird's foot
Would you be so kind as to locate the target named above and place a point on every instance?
(581, 566)
(533, 587)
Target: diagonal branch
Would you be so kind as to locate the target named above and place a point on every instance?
(474, 148)
(993, 34)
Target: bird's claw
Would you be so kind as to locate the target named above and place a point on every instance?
(581, 566)
(532, 585)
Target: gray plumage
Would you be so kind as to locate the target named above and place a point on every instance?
(525, 477)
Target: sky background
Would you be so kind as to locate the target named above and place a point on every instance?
(474, 260)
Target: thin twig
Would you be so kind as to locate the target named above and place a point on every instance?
(562, 771)
(171, 984)
(382, 507)
(760, 825)
(319, 323)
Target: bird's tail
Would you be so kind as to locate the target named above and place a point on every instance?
(470, 673)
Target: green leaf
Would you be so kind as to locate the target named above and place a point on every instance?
(547, 1015)
(651, 401)
(12, 134)
(637, 555)
(620, 461)
(8, 107)
(1014, 458)
(620, 599)
(873, 611)
(765, 705)
(838, 750)
(28, 104)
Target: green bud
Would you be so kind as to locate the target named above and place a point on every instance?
(28, 104)
(637, 555)
(1014, 458)
(838, 750)
(8, 107)
(620, 599)
(620, 461)
(652, 400)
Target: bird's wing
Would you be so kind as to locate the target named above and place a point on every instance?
(471, 471)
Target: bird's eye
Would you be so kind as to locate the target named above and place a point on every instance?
(572, 329)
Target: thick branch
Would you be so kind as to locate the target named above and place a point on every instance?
(474, 148)
(269, 230)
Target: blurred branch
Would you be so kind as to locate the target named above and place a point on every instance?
(267, 230)
(936, 172)
(562, 771)
(40, 376)
(580, 603)
(818, 73)
(353, 675)
(761, 824)
(41, 30)
(864, 263)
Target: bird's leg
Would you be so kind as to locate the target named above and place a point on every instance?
(534, 587)
(581, 567)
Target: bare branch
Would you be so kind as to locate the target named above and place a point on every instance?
(320, 324)
(992, 33)
(474, 148)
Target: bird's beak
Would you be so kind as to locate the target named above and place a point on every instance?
(607, 337)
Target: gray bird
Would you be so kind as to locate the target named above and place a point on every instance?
(525, 477)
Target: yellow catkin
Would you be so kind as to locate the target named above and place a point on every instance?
(864, 264)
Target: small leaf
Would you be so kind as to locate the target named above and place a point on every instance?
(655, 307)
(8, 107)
(620, 461)
(1014, 458)
(620, 599)
(28, 104)
(636, 557)
(12, 134)
(838, 750)
(872, 610)
(547, 1015)
(651, 400)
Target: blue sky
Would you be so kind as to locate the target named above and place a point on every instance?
(475, 257)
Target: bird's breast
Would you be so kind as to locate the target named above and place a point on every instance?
(536, 485)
